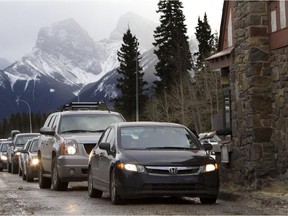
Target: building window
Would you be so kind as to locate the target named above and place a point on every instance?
(278, 24)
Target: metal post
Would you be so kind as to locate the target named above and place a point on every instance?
(17, 101)
(137, 97)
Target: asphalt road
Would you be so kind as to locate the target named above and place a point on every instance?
(18, 197)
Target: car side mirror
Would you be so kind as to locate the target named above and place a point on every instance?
(207, 146)
(47, 131)
(105, 146)
(24, 151)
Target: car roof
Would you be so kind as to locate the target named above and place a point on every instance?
(75, 112)
(27, 134)
(147, 123)
(6, 142)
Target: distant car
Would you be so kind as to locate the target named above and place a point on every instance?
(30, 161)
(145, 159)
(66, 140)
(210, 137)
(3, 154)
(13, 152)
(21, 157)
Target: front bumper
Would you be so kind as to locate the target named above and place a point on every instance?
(132, 184)
(3, 164)
(33, 171)
(72, 168)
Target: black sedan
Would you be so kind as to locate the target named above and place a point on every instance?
(145, 159)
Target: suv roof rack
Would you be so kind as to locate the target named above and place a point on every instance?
(81, 106)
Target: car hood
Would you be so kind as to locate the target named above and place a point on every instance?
(18, 148)
(168, 157)
(83, 137)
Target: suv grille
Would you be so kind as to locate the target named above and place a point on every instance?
(89, 147)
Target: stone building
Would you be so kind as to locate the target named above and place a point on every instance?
(253, 62)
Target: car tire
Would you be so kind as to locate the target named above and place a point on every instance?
(93, 193)
(24, 176)
(116, 199)
(8, 167)
(57, 184)
(28, 178)
(43, 181)
(210, 200)
(14, 167)
(20, 172)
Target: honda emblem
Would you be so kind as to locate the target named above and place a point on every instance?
(173, 170)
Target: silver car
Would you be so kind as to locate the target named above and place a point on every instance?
(66, 140)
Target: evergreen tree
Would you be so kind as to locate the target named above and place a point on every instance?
(131, 76)
(171, 46)
(206, 41)
(206, 82)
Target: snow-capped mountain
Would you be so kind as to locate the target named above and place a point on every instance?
(64, 61)
(4, 63)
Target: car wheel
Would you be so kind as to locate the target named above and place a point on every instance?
(116, 199)
(23, 176)
(210, 200)
(14, 167)
(28, 178)
(8, 167)
(44, 182)
(20, 172)
(57, 184)
(93, 193)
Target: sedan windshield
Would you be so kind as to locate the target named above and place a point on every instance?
(34, 146)
(157, 137)
(82, 123)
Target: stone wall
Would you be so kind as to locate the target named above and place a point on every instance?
(279, 70)
(251, 96)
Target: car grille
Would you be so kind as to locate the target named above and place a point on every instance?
(159, 170)
(88, 147)
(172, 187)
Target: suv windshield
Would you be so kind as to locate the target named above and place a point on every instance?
(87, 122)
(21, 140)
(4, 147)
(157, 137)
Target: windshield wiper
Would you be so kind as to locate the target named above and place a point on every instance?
(83, 131)
(169, 147)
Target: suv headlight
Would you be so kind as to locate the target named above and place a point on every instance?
(69, 147)
(17, 153)
(3, 157)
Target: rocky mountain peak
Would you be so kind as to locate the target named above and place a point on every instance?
(141, 27)
(66, 37)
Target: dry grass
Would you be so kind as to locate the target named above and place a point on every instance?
(276, 186)
(270, 186)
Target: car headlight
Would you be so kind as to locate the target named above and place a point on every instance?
(69, 147)
(34, 161)
(209, 167)
(17, 153)
(3, 158)
(131, 167)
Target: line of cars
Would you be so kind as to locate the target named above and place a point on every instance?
(125, 159)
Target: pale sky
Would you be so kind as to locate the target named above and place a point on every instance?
(21, 20)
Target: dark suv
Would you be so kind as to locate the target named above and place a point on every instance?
(66, 140)
(13, 152)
